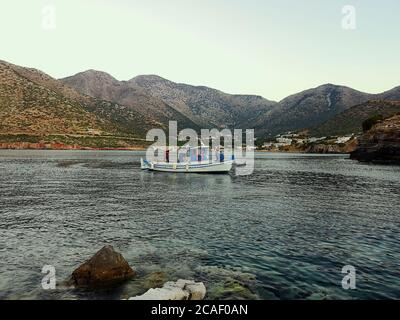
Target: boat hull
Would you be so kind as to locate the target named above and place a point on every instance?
(199, 167)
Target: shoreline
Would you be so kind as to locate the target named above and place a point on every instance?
(56, 141)
(62, 146)
(79, 148)
(120, 145)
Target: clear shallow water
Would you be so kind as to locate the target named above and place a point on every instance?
(284, 232)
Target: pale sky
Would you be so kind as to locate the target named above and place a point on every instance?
(272, 48)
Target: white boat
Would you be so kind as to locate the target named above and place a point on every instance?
(189, 162)
(188, 167)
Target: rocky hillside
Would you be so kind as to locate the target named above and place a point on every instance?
(381, 143)
(29, 106)
(309, 108)
(393, 94)
(350, 121)
(134, 98)
(32, 102)
(206, 106)
(347, 147)
(162, 99)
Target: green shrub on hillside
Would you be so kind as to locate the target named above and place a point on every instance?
(370, 122)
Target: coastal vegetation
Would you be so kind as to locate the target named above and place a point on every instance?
(62, 141)
(370, 122)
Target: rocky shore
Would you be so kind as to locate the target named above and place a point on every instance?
(348, 147)
(59, 141)
(56, 146)
(380, 144)
(179, 290)
(108, 267)
(324, 148)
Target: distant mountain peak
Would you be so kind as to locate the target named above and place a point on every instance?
(101, 75)
(329, 85)
(149, 77)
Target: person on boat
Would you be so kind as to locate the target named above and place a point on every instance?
(167, 155)
(203, 155)
(181, 157)
(216, 153)
(221, 156)
(193, 155)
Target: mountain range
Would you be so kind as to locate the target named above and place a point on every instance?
(162, 99)
(208, 107)
(32, 102)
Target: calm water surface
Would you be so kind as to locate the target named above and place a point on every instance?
(284, 232)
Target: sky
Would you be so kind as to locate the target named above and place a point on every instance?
(271, 48)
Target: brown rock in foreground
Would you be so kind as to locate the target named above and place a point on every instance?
(104, 267)
(381, 143)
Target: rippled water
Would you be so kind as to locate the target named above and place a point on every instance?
(284, 232)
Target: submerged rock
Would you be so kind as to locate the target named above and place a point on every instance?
(229, 284)
(154, 280)
(104, 267)
(180, 290)
(233, 290)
